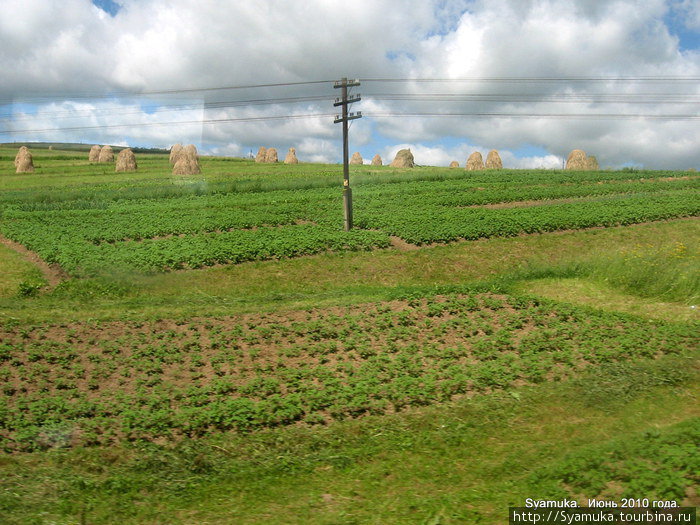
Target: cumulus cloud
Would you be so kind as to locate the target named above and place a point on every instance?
(60, 49)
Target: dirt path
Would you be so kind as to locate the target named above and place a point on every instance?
(53, 273)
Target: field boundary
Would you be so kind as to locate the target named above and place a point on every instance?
(53, 273)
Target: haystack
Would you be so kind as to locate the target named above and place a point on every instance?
(291, 157)
(592, 163)
(50, 148)
(493, 161)
(126, 160)
(475, 162)
(271, 155)
(94, 155)
(186, 165)
(403, 159)
(106, 154)
(21, 152)
(190, 150)
(23, 161)
(376, 160)
(175, 153)
(356, 158)
(454, 164)
(262, 152)
(577, 160)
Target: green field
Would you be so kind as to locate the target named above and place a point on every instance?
(216, 349)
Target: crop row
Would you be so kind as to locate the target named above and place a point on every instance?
(88, 237)
(163, 378)
(441, 224)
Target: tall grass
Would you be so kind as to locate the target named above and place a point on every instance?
(667, 273)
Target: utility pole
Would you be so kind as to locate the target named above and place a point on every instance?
(344, 101)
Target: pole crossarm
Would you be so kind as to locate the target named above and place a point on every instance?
(340, 102)
(351, 116)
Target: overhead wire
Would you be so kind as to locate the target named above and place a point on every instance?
(495, 98)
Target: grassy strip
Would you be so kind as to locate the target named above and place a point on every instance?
(346, 278)
(603, 296)
(464, 462)
(18, 276)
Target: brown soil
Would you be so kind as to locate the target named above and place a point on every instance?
(401, 245)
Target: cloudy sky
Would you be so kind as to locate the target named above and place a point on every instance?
(531, 78)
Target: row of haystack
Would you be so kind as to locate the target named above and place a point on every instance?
(475, 162)
(126, 160)
(101, 154)
(269, 155)
(184, 160)
(578, 160)
(403, 159)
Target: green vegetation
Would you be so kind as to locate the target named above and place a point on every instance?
(18, 276)
(173, 222)
(383, 377)
(230, 373)
(459, 462)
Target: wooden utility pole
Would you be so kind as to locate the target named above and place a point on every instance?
(344, 101)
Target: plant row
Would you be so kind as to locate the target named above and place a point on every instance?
(94, 384)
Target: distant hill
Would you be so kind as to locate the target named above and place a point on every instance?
(73, 146)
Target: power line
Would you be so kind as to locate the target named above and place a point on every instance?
(162, 108)
(596, 98)
(124, 93)
(612, 116)
(530, 80)
(150, 124)
(599, 98)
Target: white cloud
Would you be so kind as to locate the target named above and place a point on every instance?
(690, 10)
(443, 156)
(68, 46)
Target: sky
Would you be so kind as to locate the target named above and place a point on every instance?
(619, 79)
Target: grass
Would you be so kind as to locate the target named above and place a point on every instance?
(18, 276)
(607, 297)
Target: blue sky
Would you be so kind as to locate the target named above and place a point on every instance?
(132, 46)
(108, 6)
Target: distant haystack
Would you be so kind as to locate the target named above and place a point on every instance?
(106, 154)
(50, 148)
(493, 161)
(356, 158)
(94, 155)
(577, 160)
(403, 159)
(377, 160)
(175, 153)
(291, 157)
(271, 155)
(126, 160)
(23, 161)
(592, 163)
(262, 152)
(454, 164)
(475, 162)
